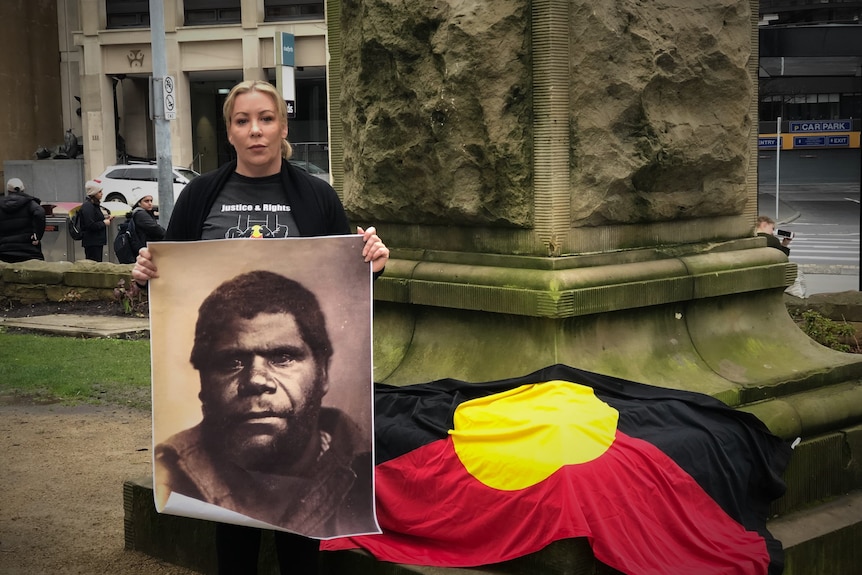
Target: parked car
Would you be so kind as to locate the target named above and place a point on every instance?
(312, 169)
(128, 183)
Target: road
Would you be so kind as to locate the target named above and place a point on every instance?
(822, 187)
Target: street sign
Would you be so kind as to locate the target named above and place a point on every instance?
(284, 70)
(170, 99)
(809, 141)
(284, 49)
(821, 141)
(821, 126)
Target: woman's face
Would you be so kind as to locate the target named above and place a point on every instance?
(256, 132)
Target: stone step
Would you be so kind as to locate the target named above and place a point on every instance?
(824, 539)
(822, 467)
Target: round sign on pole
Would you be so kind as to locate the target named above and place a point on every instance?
(170, 102)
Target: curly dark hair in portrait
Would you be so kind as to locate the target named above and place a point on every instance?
(254, 293)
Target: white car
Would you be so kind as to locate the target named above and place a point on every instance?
(312, 169)
(128, 183)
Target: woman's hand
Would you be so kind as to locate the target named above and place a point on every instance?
(144, 269)
(374, 251)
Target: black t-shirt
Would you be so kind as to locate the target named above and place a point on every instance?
(250, 208)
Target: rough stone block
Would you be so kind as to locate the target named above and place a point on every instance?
(25, 293)
(70, 293)
(443, 108)
(440, 98)
(841, 306)
(36, 272)
(97, 274)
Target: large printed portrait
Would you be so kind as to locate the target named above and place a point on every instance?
(262, 384)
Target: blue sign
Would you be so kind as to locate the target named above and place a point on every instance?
(767, 142)
(284, 51)
(839, 141)
(821, 126)
(809, 141)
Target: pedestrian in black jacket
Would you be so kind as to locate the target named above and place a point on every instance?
(22, 224)
(147, 228)
(95, 221)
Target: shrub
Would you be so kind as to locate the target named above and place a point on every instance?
(133, 298)
(832, 334)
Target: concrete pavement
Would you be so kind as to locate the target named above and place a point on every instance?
(82, 325)
(844, 280)
(818, 278)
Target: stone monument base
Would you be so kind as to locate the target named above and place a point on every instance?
(712, 320)
(822, 540)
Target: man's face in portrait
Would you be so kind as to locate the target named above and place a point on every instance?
(261, 392)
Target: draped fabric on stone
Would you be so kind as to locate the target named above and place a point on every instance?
(660, 481)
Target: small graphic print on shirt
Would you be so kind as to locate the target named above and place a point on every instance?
(260, 226)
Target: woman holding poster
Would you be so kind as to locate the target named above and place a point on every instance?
(259, 195)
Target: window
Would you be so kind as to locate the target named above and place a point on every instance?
(281, 10)
(127, 13)
(207, 12)
(809, 107)
(142, 174)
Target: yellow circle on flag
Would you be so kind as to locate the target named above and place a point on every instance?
(517, 438)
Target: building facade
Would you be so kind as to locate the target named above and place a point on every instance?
(31, 113)
(209, 47)
(811, 71)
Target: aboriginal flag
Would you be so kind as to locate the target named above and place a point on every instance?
(659, 481)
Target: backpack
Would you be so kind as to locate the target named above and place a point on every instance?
(73, 224)
(124, 243)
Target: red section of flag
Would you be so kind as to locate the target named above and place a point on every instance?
(641, 512)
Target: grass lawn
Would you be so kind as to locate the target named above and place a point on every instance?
(70, 370)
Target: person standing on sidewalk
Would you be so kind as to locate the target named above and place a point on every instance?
(95, 221)
(22, 224)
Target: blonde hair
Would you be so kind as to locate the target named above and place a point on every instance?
(269, 90)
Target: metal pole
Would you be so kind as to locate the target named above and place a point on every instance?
(162, 124)
(777, 163)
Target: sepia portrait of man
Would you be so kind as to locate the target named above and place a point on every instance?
(265, 446)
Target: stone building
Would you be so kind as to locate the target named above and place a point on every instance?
(810, 65)
(31, 98)
(101, 88)
(85, 65)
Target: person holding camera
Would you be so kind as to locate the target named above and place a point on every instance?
(766, 228)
